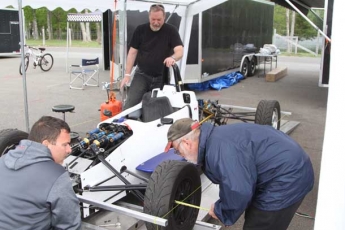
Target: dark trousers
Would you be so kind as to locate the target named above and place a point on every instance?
(256, 219)
(141, 84)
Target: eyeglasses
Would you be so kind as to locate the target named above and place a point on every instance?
(176, 151)
(157, 5)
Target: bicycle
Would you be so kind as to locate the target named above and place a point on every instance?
(44, 61)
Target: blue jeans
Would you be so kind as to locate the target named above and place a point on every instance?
(141, 84)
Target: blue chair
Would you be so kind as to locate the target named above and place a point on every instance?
(86, 74)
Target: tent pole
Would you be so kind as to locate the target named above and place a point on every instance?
(102, 42)
(124, 59)
(67, 46)
(21, 27)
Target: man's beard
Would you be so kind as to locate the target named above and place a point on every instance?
(155, 29)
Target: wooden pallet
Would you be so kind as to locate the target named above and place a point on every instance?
(276, 74)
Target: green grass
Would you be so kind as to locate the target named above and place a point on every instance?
(299, 54)
(62, 43)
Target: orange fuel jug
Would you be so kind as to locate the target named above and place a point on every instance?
(110, 108)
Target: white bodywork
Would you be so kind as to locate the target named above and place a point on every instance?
(148, 140)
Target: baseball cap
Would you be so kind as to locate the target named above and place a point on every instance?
(180, 128)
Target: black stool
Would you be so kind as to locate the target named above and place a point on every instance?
(63, 109)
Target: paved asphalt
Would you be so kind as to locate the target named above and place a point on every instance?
(297, 93)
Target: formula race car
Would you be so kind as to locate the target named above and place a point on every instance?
(123, 159)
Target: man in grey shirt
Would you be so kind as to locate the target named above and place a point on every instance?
(36, 191)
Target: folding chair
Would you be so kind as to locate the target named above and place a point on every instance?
(84, 73)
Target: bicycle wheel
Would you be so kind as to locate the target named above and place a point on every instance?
(46, 62)
(26, 61)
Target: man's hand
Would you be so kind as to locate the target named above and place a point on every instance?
(125, 81)
(211, 212)
(169, 61)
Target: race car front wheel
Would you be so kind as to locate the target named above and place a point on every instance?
(9, 138)
(173, 181)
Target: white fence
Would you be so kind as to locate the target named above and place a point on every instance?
(312, 46)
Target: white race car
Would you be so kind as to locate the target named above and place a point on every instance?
(124, 158)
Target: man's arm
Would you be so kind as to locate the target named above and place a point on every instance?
(178, 53)
(64, 205)
(132, 55)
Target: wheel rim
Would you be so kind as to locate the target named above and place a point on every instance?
(275, 119)
(184, 193)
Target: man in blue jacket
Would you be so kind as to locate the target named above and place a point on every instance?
(260, 171)
(36, 191)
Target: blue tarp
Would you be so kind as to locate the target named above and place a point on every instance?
(218, 83)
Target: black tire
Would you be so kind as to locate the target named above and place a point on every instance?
(245, 68)
(46, 62)
(252, 66)
(173, 180)
(9, 138)
(26, 61)
(268, 113)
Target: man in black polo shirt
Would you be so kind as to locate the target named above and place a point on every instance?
(153, 45)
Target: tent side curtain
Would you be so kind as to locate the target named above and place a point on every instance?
(84, 17)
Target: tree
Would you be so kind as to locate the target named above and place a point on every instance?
(302, 28)
(59, 21)
(288, 29)
(99, 33)
(85, 28)
(83, 31)
(28, 21)
(34, 25)
(49, 25)
(279, 20)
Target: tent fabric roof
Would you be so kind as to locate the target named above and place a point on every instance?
(90, 17)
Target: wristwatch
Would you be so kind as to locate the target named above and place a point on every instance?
(173, 57)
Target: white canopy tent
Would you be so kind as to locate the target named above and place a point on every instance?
(184, 8)
(75, 17)
(331, 199)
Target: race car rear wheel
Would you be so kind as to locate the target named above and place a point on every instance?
(268, 113)
(173, 180)
(9, 138)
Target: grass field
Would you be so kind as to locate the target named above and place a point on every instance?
(62, 43)
(299, 54)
